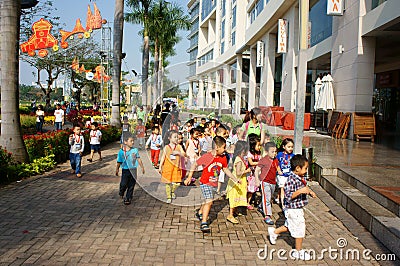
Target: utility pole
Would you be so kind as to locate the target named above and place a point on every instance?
(301, 76)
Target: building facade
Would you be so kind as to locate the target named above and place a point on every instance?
(359, 48)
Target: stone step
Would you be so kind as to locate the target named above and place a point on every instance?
(360, 182)
(381, 222)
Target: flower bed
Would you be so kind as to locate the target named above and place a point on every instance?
(45, 151)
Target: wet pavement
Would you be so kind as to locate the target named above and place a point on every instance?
(60, 219)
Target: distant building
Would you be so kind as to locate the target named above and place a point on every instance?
(359, 48)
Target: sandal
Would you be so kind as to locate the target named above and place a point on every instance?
(199, 216)
(232, 219)
(127, 202)
(204, 227)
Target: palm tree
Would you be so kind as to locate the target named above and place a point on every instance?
(139, 15)
(11, 134)
(116, 75)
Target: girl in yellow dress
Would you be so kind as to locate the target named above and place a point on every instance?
(170, 165)
(237, 192)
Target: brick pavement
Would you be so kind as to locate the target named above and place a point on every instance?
(60, 219)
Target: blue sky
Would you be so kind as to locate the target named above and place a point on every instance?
(69, 11)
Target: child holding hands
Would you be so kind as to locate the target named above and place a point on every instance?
(296, 191)
(213, 163)
(128, 159)
(237, 192)
(170, 165)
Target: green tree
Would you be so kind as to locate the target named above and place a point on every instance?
(11, 133)
(139, 15)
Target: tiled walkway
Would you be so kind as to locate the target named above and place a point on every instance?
(59, 219)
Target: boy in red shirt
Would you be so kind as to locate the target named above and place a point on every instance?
(213, 163)
(268, 166)
(140, 133)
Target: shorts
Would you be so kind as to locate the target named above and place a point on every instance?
(295, 222)
(95, 147)
(281, 180)
(221, 177)
(207, 191)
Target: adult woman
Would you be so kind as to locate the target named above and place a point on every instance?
(252, 125)
(39, 119)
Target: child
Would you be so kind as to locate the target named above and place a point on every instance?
(236, 192)
(128, 158)
(223, 132)
(284, 155)
(253, 156)
(192, 147)
(206, 141)
(140, 133)
(58, 117)
(213, 163)
(126, 128)
(295, 199)
(269, 166)
(155, 142)
(170, 165)
(95, 139)
(77, 143)
(183, 159)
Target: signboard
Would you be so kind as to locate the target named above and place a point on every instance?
(282, 36)
(260, 54)
(335, 7)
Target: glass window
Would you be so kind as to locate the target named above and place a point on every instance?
(321, 23)
(259, 6)
(233, 68)
(222, 47)
(252, 15)
(376, 3)
(223, 8)
(234, 17)
(233, 38)
(206, 7)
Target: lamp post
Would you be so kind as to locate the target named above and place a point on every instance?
(301, 77)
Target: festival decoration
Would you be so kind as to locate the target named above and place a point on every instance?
(40, 40)
(100, 73)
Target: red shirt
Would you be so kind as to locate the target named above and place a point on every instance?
(268, 169)
(140, 131)
(212, 166)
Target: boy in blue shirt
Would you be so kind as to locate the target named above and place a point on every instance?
(128, 159)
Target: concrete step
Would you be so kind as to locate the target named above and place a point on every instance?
(381, 222)
(363, 184)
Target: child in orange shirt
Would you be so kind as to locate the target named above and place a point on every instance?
(140, 133)
(170, 165)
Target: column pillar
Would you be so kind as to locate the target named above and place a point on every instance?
(267, 85)
(200, 94)
(238, 93)
(252, 79)
(225, 98)
(190, 100)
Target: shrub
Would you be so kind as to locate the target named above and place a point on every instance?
(27, 121)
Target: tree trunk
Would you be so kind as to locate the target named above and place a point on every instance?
(156, 62)
(11, 134)
(116, 77)
(145, 70)
(161, 75)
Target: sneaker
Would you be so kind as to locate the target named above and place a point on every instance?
(169, 201)
(204, 227)
(277, 201)
(249, 207)
(301, 255)
(272, 235)
(199, 216)
(127, 201)
(89, 160)
(173, 196)
(79, 175)
(268, 221)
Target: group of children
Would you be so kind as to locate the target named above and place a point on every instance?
(77, 143)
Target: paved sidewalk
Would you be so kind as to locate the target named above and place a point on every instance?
(60, 219)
